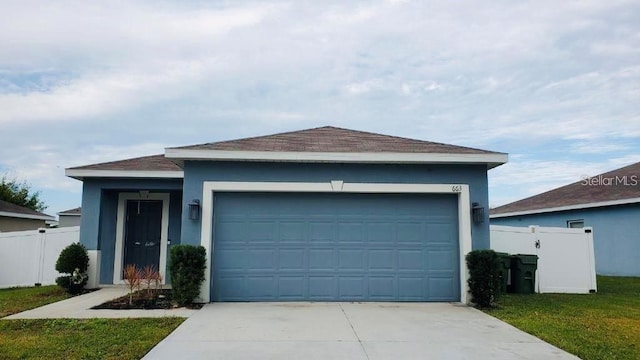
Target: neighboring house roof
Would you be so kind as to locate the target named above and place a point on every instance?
(324, 144)
(620, 186)
(71, 212)
(8, 209)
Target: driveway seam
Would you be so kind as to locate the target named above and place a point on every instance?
(354, 331)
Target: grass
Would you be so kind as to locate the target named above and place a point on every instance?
(72, 338)
(82, 339)
(605, 325)
(15, 300)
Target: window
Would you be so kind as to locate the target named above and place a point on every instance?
(575, 224)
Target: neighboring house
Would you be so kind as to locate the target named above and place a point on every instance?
(322, 214)
(610, 203)
(18, 218)
(69, 217)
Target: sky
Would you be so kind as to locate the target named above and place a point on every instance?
(556, 85)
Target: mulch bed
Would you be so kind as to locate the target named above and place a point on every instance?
(159, 299)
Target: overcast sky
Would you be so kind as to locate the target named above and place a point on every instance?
(556, 84)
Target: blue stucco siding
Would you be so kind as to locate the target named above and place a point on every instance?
(196, 172)
(616, 234)
(100, 207)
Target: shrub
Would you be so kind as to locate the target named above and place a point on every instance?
(484, 277)
(71, 258)
(73, 261)
(187, 265)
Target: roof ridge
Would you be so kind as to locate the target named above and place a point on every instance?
(336, 128)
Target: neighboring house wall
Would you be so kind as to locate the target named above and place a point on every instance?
(99, 211)
(17, 224)
(616, 234)
(69, 220)
(198, 171)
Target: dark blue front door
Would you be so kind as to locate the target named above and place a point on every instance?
(143, 232)
(335, 247)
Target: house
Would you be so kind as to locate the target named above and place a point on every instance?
(19, 218)
(69, 217)
(609, 202)
(321, 214)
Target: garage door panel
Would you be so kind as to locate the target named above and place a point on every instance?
(441, 288)
(439, 233)
(322, 259)
(291, 287)
(321, 231)
(439, 260)
(322, 287)
(352, 288)
(410, 232)
(234, 286)
(382, 288)
(350, 232)
(292, 231)
(411, 288)
(381, 232)
(327, 247)
(260, 288)
(382, 259)
(261, 259)
(292, 259)
(351, 259)
(410, 260)
(234, 259)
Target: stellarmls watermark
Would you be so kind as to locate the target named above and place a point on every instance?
(625, 180)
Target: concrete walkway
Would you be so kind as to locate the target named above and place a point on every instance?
(362, 331)
(79, 307)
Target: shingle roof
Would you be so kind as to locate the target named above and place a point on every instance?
(605, 187)
(74, 211)
(326, 139)
(333, 139)
(145, 163)
(7, 207)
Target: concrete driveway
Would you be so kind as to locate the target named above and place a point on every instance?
(373, 331)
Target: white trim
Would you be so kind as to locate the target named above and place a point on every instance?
(120, 229)
(568, 207)
(491, 159)
(80, 173)
(462, 190)
(26, 216)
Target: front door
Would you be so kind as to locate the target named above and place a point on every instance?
(143, 233)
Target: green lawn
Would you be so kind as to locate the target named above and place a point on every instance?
(605, 325)
(82, 339)
(15, 300)
(71, 338)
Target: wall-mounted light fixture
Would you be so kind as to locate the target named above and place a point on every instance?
(194, 209)
(477, 213)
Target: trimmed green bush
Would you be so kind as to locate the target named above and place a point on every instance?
(187, 264)
(74, 261)
(484, 277)
(71, 258)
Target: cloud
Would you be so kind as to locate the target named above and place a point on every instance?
(558, 83)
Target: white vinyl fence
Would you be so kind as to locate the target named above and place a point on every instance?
(566, 262)
(29, 257)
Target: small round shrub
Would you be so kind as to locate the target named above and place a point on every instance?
(73, 261)
(71, 258)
